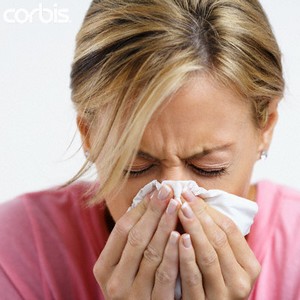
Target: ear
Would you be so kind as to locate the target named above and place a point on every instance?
(84, 132)
(266, 133)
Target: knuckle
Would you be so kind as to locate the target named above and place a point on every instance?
(189, 261)
(113, 289)
(135, 238)
(219, 240)
(163, 277)
(152, 255)
(228, 226)
(242, 288)
(255, 270)
(209, 259)
(192, 279)
(98, 272)
(122, 227)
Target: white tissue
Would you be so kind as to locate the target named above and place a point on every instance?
(240, 210)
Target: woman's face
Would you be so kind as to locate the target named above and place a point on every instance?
(204, 133)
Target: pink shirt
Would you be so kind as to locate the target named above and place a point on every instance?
(49, 243)
(275, 240)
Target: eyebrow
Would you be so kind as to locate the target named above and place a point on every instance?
(198, 155)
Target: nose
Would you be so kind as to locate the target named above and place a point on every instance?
(174, 173)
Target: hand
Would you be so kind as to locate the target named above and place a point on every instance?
(140, 259)
(215, 259)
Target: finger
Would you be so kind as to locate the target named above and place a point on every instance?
(139, 237)
(113, 249)
(155, 250)
(231, 270)
(206, 256)
(191, 278)
(237, 280)
(240, 248)
(166, 274)
(242, 252)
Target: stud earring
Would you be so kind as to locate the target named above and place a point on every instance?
(264, 155)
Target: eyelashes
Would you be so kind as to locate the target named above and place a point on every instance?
(216, 172)
(133, 173)
(209, 172)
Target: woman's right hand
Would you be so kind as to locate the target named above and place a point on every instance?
(140, 259)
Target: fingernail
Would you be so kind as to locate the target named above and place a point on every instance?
(188, 195)
(164, 192)
(186, 240)
(172, 207)
(174, 237)
(187, 211)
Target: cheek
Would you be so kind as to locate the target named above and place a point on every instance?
(244, 163)
(121, 201)
(240, 177)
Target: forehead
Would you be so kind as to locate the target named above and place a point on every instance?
(201, 114)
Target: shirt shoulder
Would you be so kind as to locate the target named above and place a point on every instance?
(279, 207)
(275, 240)
(277, 192)
(52, 235)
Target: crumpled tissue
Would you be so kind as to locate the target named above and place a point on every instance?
(242, 211)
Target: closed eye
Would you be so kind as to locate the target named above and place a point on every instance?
(136, 173)
(208, 172)
(200, 171)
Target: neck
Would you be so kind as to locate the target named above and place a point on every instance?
(252, 193)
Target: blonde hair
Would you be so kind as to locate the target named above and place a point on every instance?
(131, 55)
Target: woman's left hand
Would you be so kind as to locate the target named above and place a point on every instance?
(215, 259)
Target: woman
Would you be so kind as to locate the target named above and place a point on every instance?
(177, 90)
